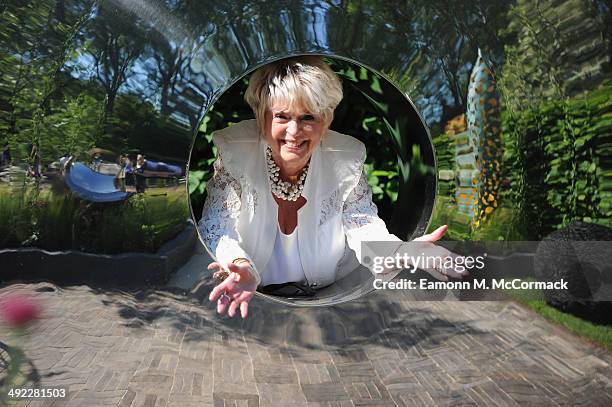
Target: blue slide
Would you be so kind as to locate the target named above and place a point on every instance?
(93, 186)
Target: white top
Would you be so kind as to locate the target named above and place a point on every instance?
(285, 265)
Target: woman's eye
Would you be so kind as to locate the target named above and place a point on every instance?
(280, 116)
(308, 117)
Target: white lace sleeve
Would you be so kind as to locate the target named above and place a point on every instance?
(360, 218)
(218, 225)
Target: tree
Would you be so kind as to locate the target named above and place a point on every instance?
(114, 44)
(561, 49)
(38, 42)
(23, 56)
(169, 61)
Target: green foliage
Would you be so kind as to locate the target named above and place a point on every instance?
(531, 72)
(67, 85)
(230, 108)
(40, 40)
(392, 155)
(557, 48)
(501, 225)
(557, 163)
(136, 127)
(557, 158)
(71, 130)
(143, 223)
(55, 221)
(444, 147)
(382, 183)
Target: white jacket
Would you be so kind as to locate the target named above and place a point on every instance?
(240, 215)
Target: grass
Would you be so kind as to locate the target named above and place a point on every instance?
(502, 226)
(53, 220)
(599, 334)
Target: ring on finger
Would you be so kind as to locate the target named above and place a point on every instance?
(220, 276)
(223, 298)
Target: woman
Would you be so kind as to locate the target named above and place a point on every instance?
(289, 200)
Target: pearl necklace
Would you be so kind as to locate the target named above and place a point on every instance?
(283, 189)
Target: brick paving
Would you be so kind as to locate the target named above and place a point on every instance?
(166, 348)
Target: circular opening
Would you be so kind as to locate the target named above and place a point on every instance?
(399, 163)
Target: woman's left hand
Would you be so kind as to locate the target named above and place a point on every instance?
(433, 236)
(431, 249)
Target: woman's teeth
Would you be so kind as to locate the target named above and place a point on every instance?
(294, 144)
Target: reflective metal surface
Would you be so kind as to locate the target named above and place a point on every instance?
(399, 160)
(108, 81)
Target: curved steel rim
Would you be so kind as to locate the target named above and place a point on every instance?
(351, 295)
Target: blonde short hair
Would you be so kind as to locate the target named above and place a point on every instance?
(305, 81)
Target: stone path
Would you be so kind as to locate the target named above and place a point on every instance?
(164, 348)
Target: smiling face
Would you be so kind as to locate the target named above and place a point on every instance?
(292, 133)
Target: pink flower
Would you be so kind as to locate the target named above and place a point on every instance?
(18, 309)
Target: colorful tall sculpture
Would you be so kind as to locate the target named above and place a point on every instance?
(478, 151)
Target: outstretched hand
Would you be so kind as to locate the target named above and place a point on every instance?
(235, 291)
(433, 236)
(439, 252)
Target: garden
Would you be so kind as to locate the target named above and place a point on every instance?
(76, 77)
